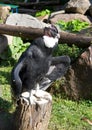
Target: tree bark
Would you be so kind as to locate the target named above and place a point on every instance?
(33, 115)
(30, 33)
(38, 4)
(76, 39)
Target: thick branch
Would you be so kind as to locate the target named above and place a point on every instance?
(21, 31)
(77, 39)
(29, 33)
(38, 4)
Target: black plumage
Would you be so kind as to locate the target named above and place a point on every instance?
(35, 63)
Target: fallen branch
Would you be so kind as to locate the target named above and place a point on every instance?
(30, 33)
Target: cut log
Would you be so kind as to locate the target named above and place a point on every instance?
(29, 33)
(33, 114)
(39, 5)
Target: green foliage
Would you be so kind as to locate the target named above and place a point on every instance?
(17, 47)
(43, 13)
(64, 49)
(5, 101)
(72, 26)
(14, 50)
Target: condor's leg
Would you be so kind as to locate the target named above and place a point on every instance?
(57, 70)
(61, 60)
(60, 66)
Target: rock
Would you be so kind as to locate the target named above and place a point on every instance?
(68, 17)
(90, 10)
(5, 40)
(86, 32)
(4, 12)
(43, 18)
(3, 43)
(78, 6)
(25, 20)
(78, 80)
(19, 20)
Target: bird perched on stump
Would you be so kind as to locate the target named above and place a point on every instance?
(36, 67)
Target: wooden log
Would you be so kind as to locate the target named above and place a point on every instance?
(76, 39)
(21, 31)
(34, 115)
(30, 33)
(38, 4)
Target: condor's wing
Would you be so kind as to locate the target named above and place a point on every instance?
(56, 71)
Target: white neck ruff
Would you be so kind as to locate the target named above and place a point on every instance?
(50, 42)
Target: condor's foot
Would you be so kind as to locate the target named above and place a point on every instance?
(36, 97)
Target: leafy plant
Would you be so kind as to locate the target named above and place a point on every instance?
(72, 26)
(14, 50)
(43, 13)
(64, 49)
(17, 47)
(5, 101)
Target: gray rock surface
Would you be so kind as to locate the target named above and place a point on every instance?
(3, 43)
(78, 83)
(77, 6)
(25, 20)
(19, 20)
(68, 17)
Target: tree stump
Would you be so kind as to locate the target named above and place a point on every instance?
(33, 113)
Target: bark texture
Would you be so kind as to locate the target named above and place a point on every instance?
(77, 84)
(33, 116)
(29, 33)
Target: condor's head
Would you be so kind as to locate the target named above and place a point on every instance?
(51, 36)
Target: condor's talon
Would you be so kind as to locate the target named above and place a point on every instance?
(29, 97)
(25, 94)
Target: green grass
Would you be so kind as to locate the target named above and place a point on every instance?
(5, 99)
(66, 114)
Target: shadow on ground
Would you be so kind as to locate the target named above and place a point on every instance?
(6, 118)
